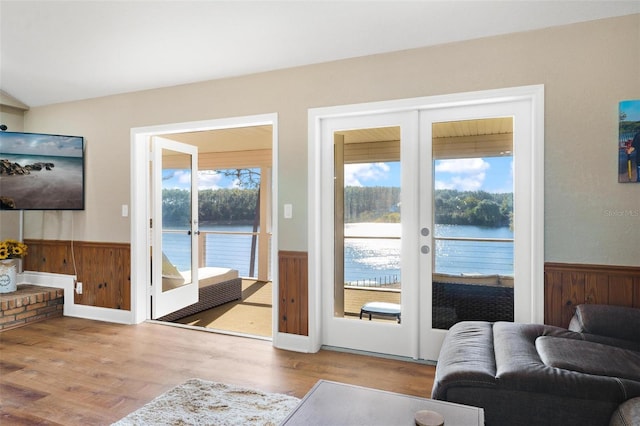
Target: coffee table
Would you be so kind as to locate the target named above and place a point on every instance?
(333, 403)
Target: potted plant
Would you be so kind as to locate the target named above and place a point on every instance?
(10, 251)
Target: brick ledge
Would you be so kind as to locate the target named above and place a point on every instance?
(30, 303)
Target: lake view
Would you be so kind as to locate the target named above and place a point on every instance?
(367, 261)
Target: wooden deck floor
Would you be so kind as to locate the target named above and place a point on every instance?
(71, 371)
(252, 314)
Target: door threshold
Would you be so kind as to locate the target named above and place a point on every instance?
(378, 355)
(210, 330)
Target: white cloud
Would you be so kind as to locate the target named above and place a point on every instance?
(209, 180)
(356, 174)
(464, 174)
(462, 166)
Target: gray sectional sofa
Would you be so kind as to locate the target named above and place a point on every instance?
(534, 374)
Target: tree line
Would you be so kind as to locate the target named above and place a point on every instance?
(361, 204)
(215, 206)
(479, 208)
(452, 207)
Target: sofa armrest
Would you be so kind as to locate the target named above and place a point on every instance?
(466, 358)
(619, 322)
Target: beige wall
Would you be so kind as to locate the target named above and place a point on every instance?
(586, 69)
(13, 118)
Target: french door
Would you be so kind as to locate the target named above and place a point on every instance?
(482, 259)
(381, 249)
(174, 221)
(357, 149)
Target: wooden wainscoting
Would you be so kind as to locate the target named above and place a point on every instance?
(293, 292)
(103, 268)
(568, 285)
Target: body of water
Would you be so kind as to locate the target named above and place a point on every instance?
(368, 261)
(374, 262)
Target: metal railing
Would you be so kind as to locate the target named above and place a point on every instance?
(229, 249)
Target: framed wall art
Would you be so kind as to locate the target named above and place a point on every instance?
(629, 142)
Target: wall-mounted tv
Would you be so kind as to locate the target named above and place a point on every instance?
(41, 171)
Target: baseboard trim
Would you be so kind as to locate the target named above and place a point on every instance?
(71, 309)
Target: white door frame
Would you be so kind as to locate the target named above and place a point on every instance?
(534, 95)
(140, 187)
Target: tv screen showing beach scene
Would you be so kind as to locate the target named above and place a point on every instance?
(41, 171)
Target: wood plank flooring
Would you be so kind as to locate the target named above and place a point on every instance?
(70, 371)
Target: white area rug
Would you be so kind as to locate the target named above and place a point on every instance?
(199, 402)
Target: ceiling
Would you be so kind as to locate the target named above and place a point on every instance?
(57, 51)
(488, 137)
(233, 139)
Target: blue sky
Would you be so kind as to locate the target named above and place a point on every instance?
(468, 174)
(35, 144)
(180, 179)
(632, 109)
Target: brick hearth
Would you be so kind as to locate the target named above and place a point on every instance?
(30, 303)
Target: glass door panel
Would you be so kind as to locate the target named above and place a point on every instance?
(368, 223)
(473, 269)
(176, 219)
(174, 226)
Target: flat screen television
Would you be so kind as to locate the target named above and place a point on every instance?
(41, 171)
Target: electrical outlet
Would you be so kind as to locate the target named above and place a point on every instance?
(79, 287)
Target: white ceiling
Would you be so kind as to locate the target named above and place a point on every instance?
(56, 51)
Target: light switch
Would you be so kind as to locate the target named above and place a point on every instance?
(125, 210)
(288, 211)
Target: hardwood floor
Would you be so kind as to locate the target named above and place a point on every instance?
(72, 371)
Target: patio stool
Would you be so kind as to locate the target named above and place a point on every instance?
(381, 308)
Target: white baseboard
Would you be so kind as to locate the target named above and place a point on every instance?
(293, 342)
(71, 309)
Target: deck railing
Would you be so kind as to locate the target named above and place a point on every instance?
(238, 250)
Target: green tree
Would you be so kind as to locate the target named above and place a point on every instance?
(486, 213)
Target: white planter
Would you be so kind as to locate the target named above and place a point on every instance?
(8, 275)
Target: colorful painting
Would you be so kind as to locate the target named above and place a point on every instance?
(629, 142)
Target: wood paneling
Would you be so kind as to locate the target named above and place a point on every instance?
(568, 285)
(293, 292)
(103, 268)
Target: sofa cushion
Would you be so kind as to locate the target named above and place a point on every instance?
(627, 414)
(520, 367)
(589, 357)
(619, 322)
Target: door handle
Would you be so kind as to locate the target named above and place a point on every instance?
(424, 232)
(424, 249)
